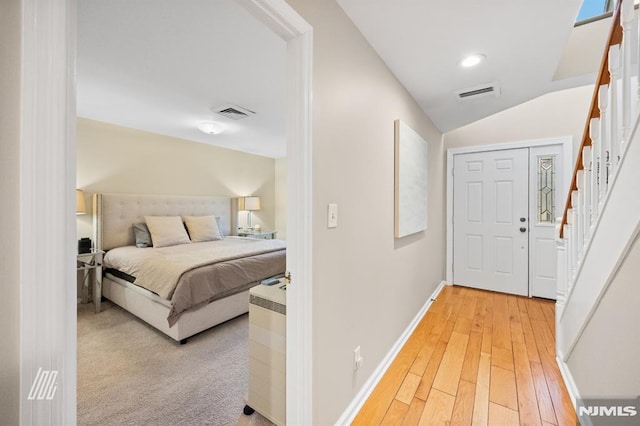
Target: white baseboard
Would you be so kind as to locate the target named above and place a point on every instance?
(574, 394)
(568, 381)
(354, 408)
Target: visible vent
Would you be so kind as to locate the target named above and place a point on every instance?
(478, 92)
(233, 112)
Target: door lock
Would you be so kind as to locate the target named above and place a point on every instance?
(522, 219)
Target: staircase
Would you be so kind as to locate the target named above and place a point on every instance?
(596, 237)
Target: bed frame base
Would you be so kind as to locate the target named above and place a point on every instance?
(190, 322)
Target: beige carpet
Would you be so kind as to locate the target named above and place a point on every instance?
(131, 374)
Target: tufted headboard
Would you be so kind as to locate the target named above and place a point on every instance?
(113, 214)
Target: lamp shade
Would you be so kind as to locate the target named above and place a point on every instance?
(249, 203)
(81, 207)
(252, 203)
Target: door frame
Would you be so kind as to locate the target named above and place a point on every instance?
(567, 153)
(48, 322)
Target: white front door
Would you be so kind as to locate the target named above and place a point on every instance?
(490, 220)
(504, 208)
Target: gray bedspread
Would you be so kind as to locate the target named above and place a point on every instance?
(192, 275)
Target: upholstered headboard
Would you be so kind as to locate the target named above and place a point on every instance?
(113, 214)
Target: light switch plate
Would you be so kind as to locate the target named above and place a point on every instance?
(332, 216)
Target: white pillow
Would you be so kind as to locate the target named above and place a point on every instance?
(202, 228)
(166, 230)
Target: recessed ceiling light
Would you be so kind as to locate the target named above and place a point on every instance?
(210, 127)
(471, 60)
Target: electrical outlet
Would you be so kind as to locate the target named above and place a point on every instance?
(357, 359)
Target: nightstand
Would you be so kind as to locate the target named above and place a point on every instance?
(263, 235)
(87, 262)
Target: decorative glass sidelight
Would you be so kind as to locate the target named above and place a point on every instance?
(546, 189)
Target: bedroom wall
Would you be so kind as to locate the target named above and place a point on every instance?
(10, 69)
(119, 159)
(562, 113)
(367, 286)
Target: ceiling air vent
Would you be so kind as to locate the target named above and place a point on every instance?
(233, 112)
(478, 92)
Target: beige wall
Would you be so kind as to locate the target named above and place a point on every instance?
(10, 58)
(118, 159)
(281, 198)
(562, 113)
(605, 360)
(583, 51)
(367, 286)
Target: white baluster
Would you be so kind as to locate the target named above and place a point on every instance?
(614, 111)
(567, 239)
(595, 168)
(573, 252)
(629, 58)
(577, 235)
(603, 144)
(586, 194)
(581, 212)
(635, 60)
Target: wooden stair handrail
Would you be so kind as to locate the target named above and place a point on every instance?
(615, 37)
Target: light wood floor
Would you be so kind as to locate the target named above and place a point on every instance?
(478, 358)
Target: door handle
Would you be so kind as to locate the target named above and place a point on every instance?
(523, 229)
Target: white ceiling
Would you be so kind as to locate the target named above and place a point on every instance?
(161, 65)
(422, 41)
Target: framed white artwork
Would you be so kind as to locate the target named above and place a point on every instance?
(411, 170)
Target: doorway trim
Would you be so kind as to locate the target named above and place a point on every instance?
(48, 320)
(567, 153)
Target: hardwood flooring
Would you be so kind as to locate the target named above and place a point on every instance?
(476, 358)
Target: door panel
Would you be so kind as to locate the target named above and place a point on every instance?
(490, 197)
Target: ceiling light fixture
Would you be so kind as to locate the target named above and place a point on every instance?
(210, 127)
(471, 60)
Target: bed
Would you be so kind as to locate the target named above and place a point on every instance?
(145, 291)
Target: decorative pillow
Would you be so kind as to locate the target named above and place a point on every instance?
(143, 237)
(202, 228)
(166, 230)
(219, 227)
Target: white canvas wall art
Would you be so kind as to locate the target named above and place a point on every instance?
(411, 170)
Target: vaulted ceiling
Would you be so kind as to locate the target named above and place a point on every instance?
(162, 66)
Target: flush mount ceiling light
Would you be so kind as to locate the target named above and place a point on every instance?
(471, 60)
(210, 127)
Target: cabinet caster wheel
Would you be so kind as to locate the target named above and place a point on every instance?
(248, 410)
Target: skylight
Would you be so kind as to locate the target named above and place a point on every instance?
(594, 8)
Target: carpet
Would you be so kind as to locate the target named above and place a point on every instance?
(131, 374)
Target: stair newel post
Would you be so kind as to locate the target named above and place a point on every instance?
(603, 146)
(595, 168)
(586, 193)
(615, 111)
(562, 284)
